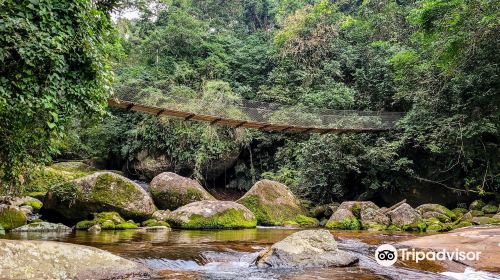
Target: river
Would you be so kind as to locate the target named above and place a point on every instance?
(228, 254)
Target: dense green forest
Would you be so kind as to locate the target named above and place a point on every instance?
(435, 60)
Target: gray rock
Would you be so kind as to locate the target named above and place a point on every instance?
(212, 214)
(307, 248)
(157, 228)
(22, 259)
(42, 227)
(161, 215)
(171, 191)
(404, 215)
(374, 219)
(95, 228)
(28, 210)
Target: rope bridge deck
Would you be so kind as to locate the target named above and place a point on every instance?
(265, 116)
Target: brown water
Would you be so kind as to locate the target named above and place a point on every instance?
(228, 254)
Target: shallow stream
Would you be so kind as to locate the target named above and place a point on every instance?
(228, 254)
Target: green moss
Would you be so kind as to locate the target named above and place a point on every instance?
(85, 224)
(35, 204)
(231, 218)
(119, 196)
(107, 225)
(108, 216)
(460, 224)
(11, 217)
(356, 210)
(154, 222)
(476, 213)
(477, 205)
(169, 199)
(349, 224)
(459, 211)
(126, 225)
(267, 215)
(415, 227)
(393, 228)
(36, 221)
(305, 221)
(434, 227)
(43, 178)
(490, 209)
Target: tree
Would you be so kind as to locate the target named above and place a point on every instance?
(55, 66)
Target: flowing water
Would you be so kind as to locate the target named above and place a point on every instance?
(228, 254)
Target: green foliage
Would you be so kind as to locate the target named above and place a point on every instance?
(54, 57)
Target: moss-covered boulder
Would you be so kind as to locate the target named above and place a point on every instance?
(107, 221)
(490, 209)
(154, 223)
(477, 205)
(459, 212)
(343, 219)
(171, 191)
(272, 203)
(42, 227)
(11, 217)
(209, 214)
(404, 217)
(358, 215)
(99, 192)
(44, 177)
(482, 220)
(440, 212)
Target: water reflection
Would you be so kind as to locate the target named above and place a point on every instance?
(229, 254)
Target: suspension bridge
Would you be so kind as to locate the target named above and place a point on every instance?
(264, 116)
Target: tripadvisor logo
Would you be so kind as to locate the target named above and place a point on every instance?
(387, 255)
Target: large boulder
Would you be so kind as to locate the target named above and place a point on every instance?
(45, 177)
(404, 217)
(343, 219)
(23, 259)
(11, 217)
(477, 204)
(357, 215)
(273, 204)
(171, 191)
(443, 214)
(42, 227)
(208, 214)
(308, 248)
(101, 191)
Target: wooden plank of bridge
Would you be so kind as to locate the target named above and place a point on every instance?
(158, 111)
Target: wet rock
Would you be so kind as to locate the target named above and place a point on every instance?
(482, 220)
(157, 228)
(28, 201)
(324, 211)
(273, 204)
(101, 191)
(95, 228)
(308, 248)
(11, 217)
(23, 259)
(171, 191)
(489, 209)
(404, 217)
(28, 210)
(343, 219)
(374, 219)
(208, 214)
(161, 215)
(107, 221)
(437, 211)
(477, 205)
(42, 227)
